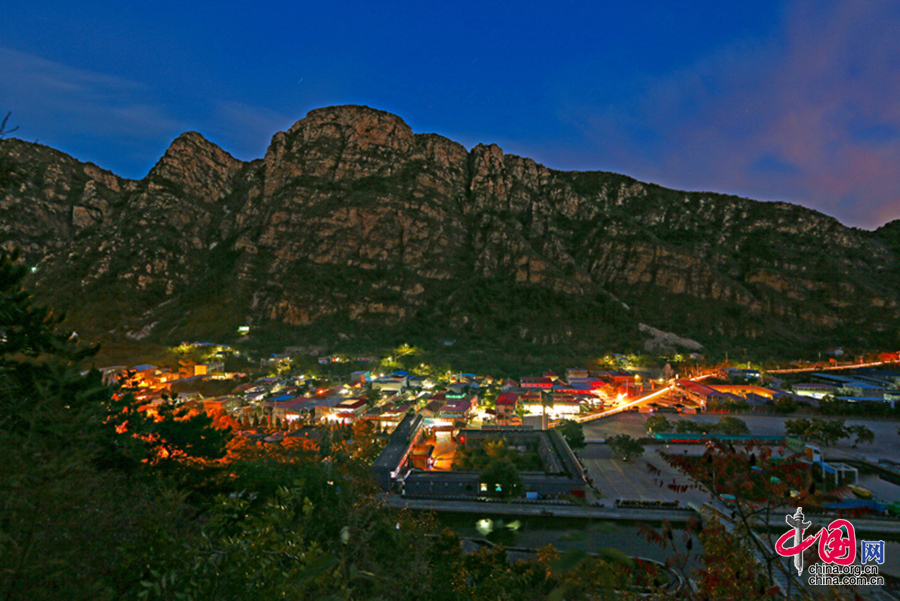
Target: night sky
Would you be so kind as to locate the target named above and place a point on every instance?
(795, 101)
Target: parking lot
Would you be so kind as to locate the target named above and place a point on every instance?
(629, 422)
(617, 479)
(886, 444)
(646, 478)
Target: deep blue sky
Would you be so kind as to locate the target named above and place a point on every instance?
(792, 101)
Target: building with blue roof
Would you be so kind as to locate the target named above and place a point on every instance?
(883, 383)
(884, 375)
(832, 378)
(868, 399)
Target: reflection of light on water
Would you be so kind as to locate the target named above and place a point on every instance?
(535, 532)
(484, 526)
(487, 526)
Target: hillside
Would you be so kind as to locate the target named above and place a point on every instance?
(353, 227)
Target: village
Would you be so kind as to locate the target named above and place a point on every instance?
(275, 395)
(276, 400)
(575, 444)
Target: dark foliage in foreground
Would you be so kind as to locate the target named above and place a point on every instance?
(101, 501)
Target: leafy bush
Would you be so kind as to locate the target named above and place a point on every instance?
(502, 478)
(625, 446)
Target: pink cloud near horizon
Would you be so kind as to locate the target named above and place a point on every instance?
(809, 115)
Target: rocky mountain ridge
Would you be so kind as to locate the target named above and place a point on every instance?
(352, 223)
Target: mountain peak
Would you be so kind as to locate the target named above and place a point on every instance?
(357, 128)
(339, 143)
(352, 219)
(350, 115)
(198, 165)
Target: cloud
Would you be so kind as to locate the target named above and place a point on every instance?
(808, 116)
(71, 106)
(90, 114)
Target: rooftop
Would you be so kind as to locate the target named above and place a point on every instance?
(697, 387)
(508, 398)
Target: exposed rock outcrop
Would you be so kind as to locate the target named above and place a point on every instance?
(350, 216)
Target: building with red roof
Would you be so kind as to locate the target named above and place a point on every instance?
(700, 393)
(506, 405)
(541, 383)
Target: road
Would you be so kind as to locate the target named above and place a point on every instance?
(797, 370)
(635, 403)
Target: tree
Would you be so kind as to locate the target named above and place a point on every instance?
(573, 432)
(368, 442)
(758, 488)
(832, 430)
(3, 131)
(732, 426)
(786, 405)
(686, 426)
(479, 456)
(8, 174)
(724, 569)
(502, 479)
(625, 446)
(521, 412)
(730, 571)
(488, 397)
(71, 528)
(825, 431)
(830, 405)
(278, 519)
(181, 432)
(861, 434)
(798, 428)
(658, 423)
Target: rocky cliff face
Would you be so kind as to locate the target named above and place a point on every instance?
(353, 221)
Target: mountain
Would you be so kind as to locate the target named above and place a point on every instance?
(353, 226)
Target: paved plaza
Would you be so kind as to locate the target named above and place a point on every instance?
(617, 479)
(628, 422)
(886, 444)
(647, 478)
